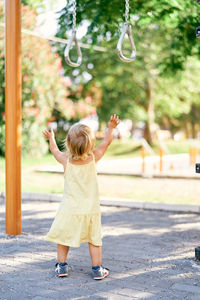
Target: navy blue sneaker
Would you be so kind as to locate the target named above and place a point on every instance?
(61, 269)
(99, 272)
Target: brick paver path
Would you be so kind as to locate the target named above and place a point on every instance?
(149, 254)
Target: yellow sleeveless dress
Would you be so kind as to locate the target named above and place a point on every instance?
(78, 219)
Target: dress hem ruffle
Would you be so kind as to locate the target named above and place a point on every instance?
(70, 244)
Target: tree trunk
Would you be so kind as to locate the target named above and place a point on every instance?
(132, 129)
(193, 121)
(194, 131)
(150, 111)
(187, 130)
(147, 133)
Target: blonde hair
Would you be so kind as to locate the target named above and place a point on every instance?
(80, 141)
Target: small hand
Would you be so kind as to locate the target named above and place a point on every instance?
(114, 121)
(48, 135)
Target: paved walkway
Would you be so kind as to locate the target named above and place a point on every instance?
(177, 165)
(150, 255)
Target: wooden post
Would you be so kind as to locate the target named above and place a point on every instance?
(143, 154)
(13, 116)
(161, 152)
(193, 155)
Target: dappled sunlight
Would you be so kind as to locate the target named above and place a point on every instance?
(186, 226)
(181, 276)
(39, 213)
(183, 216)
(111, 231)
(143, 249)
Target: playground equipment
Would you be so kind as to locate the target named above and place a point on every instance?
(193, 155)
(71, 40)
(161, 153)
(13, 116)
(143, 154)
(126, 30)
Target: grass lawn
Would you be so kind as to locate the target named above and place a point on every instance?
(138, 189)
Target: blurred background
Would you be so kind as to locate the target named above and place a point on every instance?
(157, 96)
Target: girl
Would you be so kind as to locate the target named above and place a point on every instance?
(78, 219)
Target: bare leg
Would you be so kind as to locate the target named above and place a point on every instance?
(95, 254)
(62, 252)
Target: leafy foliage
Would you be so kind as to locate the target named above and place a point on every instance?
(176, 20)
(179, 106)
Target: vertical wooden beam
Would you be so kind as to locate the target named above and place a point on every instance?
(143, 154)
(13, 116)
(161, 153)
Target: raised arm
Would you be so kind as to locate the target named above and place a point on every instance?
(59, 156)
(101, 149)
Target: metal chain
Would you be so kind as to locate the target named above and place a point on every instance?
(74, 15)
(126, 10)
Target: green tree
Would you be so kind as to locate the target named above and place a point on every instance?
(164, 33)
(178, 100)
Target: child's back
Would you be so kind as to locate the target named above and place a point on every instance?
(78, 218)
(81, 187)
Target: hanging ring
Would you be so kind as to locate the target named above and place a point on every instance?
(67, 49)
(126, 29)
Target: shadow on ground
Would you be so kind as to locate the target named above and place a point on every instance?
(149, 254)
